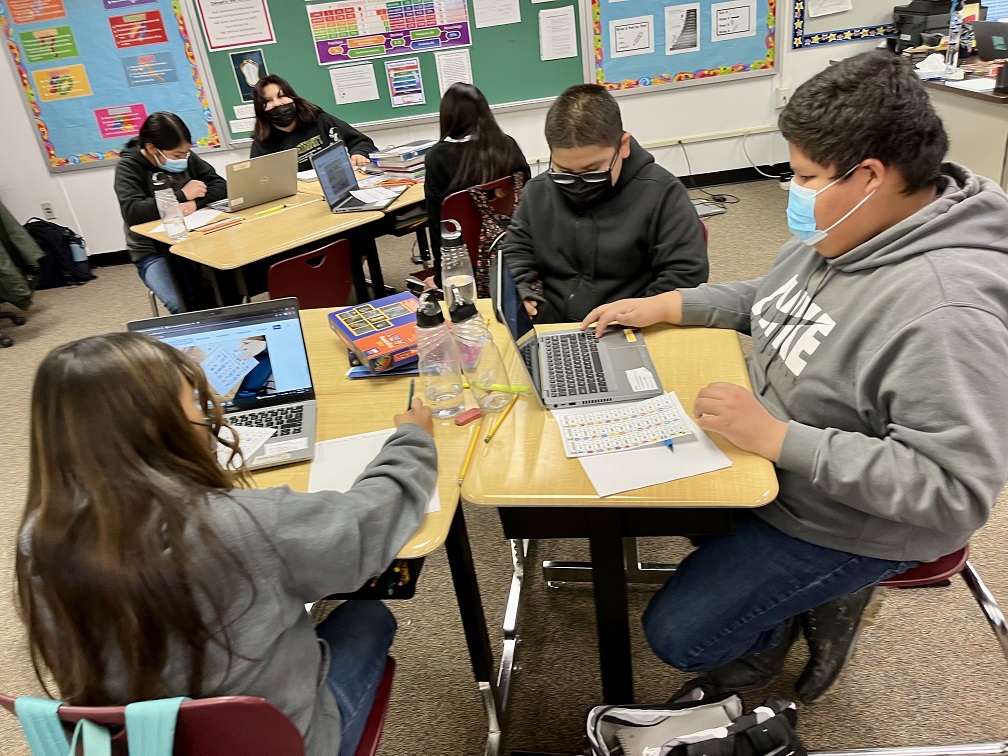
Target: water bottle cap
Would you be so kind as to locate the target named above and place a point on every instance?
(159, 179)
(429, 314)
(461, 308)
(451, 235)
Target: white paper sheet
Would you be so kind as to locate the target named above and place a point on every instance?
(453, 66)
(249, 441)
(375, 195)
(340, 461)
(355, 83)
(631, 36)
(496, 12)
(193, 220)
(236, 23)
(973, 85)
(307, 176)
(816, 8)
(733, 20)
(682, 28)
(557, 34)
(626, 471)
(244, 111)
(242, 125)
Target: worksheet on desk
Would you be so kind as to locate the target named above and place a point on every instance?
(193, 220)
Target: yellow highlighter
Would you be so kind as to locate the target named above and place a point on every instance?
(271, 209)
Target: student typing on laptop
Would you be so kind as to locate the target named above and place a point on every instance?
(146, 570)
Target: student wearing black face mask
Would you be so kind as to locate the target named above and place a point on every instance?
(604, 221)
(285, 121)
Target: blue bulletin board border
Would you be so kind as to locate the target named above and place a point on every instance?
(799, 39)
(764, 64)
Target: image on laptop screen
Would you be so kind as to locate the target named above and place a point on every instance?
(517, 320)
(252, 355)
(335, 173)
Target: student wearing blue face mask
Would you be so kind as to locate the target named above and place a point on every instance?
(880, 344)
(164, 145)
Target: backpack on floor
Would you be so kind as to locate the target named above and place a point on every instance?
(65, 262)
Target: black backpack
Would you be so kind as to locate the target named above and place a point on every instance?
(60, 266)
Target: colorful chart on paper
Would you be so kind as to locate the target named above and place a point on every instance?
(355, 29)
(92, 71)
(640, 44)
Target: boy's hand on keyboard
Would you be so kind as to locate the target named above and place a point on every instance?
(636, 313)
(418, 414)
(737, 414)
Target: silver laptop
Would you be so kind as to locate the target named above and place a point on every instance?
(259, 180)
(255, 361)
(336, 176)
(570, 367)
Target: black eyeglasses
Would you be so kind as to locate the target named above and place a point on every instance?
(589, 177)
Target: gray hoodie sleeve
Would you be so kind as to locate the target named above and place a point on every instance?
(727, 305)
(934, 392)
(333, 542)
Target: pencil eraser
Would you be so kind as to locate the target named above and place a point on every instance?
(468, 416)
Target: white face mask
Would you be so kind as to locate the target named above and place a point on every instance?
(801, 211)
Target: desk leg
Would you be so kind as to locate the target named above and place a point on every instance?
(611, 621)
(474, 624)
(365, 246)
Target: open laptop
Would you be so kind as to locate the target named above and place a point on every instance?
(261, 179)
(570, 367)
(255, 361)
(339, 183)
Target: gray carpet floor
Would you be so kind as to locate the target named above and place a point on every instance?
(928, 671)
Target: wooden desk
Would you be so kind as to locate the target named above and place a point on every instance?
(977, 126)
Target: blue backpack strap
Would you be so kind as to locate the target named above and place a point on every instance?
(42, 727)
(150, 726)
(97, 740)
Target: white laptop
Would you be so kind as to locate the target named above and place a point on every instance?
(339, 183)
(255, 361)
(259, 180)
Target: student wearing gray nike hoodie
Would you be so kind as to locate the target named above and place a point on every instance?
(880, 343)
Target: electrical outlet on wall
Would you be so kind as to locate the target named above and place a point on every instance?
(47, 211)
(781, 97)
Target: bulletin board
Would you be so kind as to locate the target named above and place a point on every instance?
(642, 44)
(815, 23)
(92, 70)
(393, 45)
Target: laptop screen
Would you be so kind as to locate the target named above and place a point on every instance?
(516, 318)
(335, 173)
(253, 355)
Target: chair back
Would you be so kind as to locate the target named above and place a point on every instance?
(930, 573)
(460, 207)
(322, 278)
(225, 726)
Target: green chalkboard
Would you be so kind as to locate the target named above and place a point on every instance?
(505, 60)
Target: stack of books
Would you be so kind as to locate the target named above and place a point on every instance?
(406, 161)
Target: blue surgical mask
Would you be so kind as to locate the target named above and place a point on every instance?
(801, 211)
(174, 165)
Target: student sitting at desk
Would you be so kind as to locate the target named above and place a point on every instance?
(164, 145)
(880, 345)
(473, 150)
(605, 222)
(146, 570)
(285, 121)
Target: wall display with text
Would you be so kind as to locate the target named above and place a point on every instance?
(827, 22)
(92, 71)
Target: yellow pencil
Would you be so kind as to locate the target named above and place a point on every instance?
(469, 453)
(500, 419)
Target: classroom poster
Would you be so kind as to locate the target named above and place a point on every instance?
(92, 70)
(235, 23)
(405, 82)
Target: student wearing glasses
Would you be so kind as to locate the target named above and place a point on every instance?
(605, 222)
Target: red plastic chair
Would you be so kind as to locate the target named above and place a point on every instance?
(234, 725)
(322, 278)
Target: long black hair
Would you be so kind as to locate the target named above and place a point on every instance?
(490, 153)
(307, 113)
(164, 130)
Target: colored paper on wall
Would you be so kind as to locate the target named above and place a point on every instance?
(236, 23)
(114, 5)
(121, 122)
(33, 11)
(54, 43)
(149, 68)
(249, 66)
(65, 83)
(138, 29)
(405, 82)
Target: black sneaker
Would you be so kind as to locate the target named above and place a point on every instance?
(831, 631)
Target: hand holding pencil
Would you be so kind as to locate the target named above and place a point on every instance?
(416, 413)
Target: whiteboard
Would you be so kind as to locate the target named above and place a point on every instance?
(867, 19)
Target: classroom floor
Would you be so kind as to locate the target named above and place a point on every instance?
(928, 671)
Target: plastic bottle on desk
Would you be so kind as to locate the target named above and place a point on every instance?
(481, 360)
(168, 207)
(456, 265)
(438, 361)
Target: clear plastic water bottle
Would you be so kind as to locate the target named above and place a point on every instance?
(168, 207)
(439, 363)
(481, 360)
(955, 36)
(456, 265)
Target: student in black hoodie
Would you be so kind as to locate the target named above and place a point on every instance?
(604, 221)
(163, 146)
(285, 121)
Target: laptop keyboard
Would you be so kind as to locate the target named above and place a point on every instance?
(287, 420)
(573, 364)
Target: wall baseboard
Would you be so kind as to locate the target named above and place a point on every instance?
(734, 176)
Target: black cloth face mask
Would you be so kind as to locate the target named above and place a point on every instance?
(281, 115)
(585, 189)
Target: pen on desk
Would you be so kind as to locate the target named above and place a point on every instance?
(670, 444)
(500, 419)
(271, 209)
(501, 387)
(469, 454)
(412, 388)
(219, 226)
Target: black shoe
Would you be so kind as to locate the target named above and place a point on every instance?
(831, 631)
(751, 673)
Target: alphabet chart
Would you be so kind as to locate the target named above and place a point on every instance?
(620, 427)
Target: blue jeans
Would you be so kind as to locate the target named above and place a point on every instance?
(730, 597)
(359, 634)
(157, 276)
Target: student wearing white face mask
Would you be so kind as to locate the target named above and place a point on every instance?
(164, 145)
(880, 344)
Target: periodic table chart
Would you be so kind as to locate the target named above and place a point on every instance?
(350, 30)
